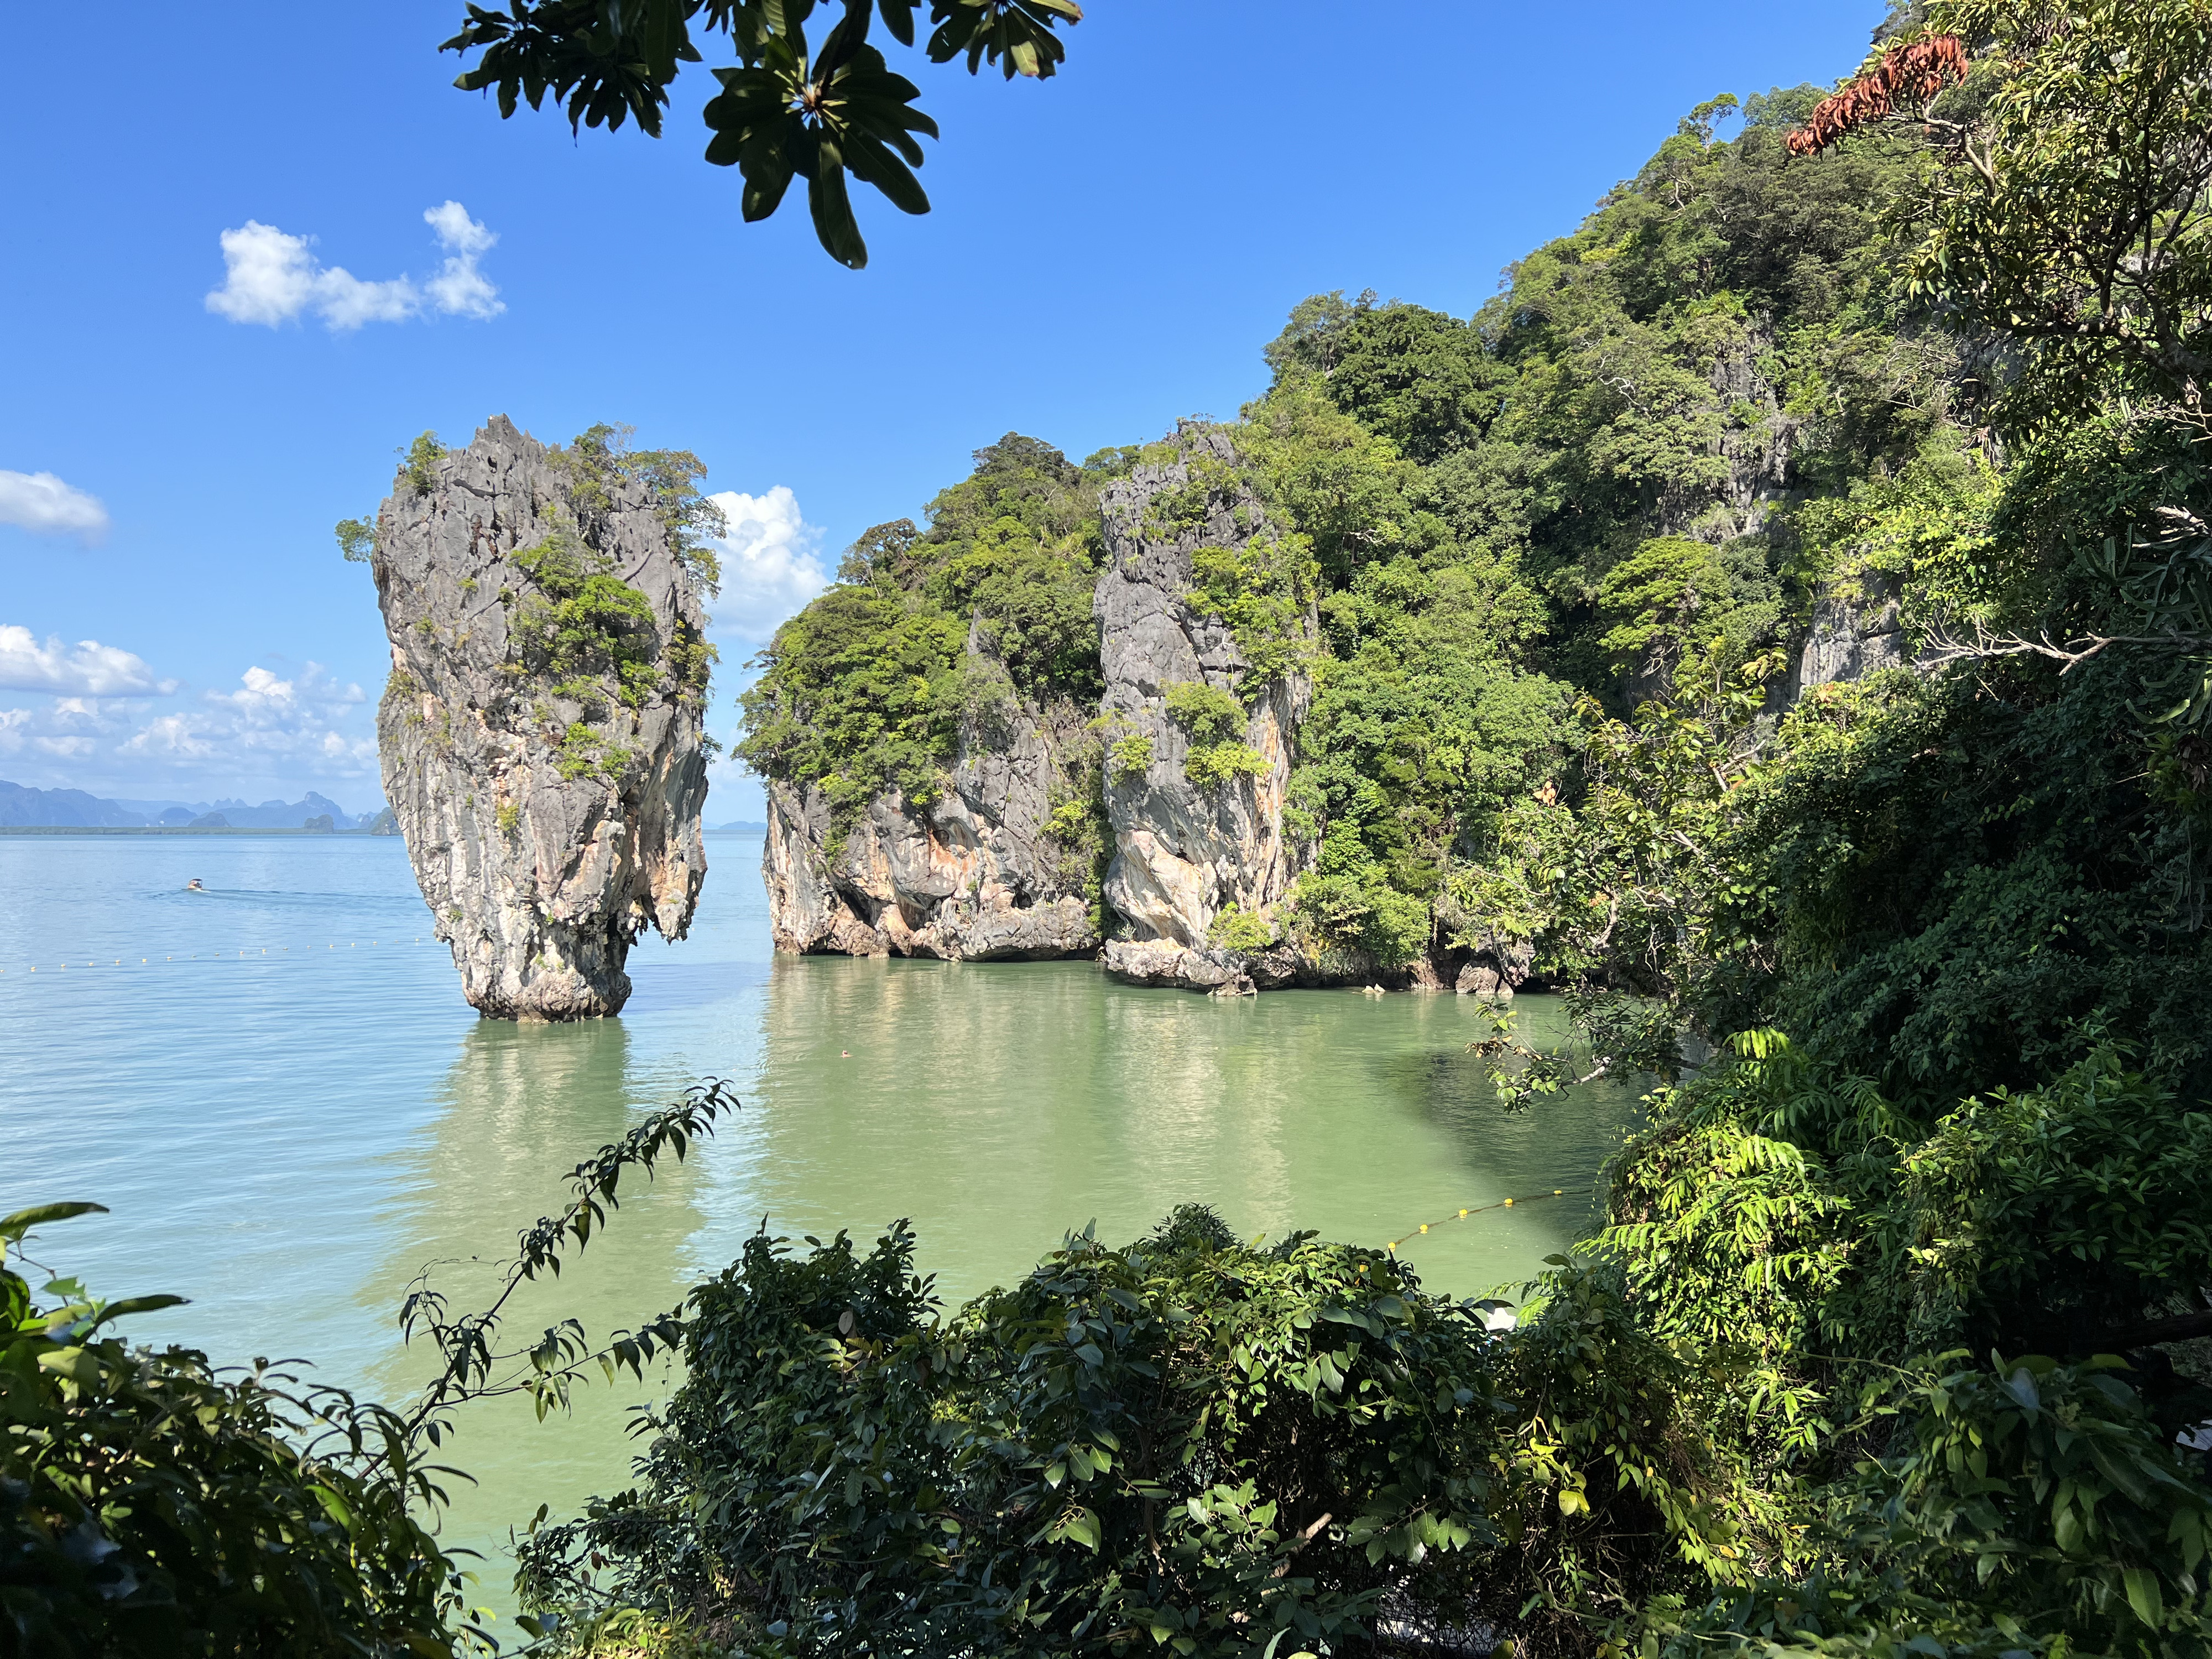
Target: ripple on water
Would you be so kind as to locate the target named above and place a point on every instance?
(288, 1139)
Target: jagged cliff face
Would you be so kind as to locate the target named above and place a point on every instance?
(549, 799)
(1184, 850)
(1852, 634)
(981, 874)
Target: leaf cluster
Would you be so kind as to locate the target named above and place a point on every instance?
(787, 110)
(151, 1505)
(1184, 1443)
(2064, 203)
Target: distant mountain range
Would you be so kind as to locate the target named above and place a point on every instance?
(23, 806)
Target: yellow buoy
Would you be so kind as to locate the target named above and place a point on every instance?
(1509, 1203)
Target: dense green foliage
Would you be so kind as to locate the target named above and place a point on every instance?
(150, 1505)
(869, 688)
(1188, 1444)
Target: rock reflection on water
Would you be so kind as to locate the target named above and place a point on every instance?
(519, 1106)
(999, 1105)
(995, 1106)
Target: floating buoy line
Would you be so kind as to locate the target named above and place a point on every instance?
(179, 958)
(1473, 1210)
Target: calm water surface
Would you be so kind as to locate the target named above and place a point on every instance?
(276, 1088)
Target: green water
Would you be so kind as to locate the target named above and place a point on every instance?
(289, 1139)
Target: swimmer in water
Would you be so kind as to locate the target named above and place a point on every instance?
(193, 886)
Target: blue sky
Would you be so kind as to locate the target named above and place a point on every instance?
(1108, 251)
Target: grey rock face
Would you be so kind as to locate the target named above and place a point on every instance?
(1185, 851)
(548, 823)
(1852, 636)
(1496, 972)
(974, 876)
(1164, 962)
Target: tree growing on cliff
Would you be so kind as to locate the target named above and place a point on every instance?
(2066, 203)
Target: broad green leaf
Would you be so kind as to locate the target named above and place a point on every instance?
(2145, 1595)
(13, 1227)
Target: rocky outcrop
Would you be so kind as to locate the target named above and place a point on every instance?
(540, 734)
(1854, 633)
(980, 873)
(1187, 848)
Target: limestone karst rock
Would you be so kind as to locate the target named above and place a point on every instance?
(1853, 633)
(977, 874)
(1191, 839)
(541, 733)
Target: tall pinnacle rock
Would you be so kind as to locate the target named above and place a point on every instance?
(541, 733)
(1200, 772)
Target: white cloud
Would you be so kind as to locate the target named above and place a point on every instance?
(42, 501)
(88, 669)
(270, 726)
(459, 288)
(271, 277)
(274, 731)
(68, 728)
(770, 567)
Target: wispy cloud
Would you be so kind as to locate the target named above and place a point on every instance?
(271, 277)
(770, 564)
(42, 501)
(302, 722)
(87, 669)
(271, 731)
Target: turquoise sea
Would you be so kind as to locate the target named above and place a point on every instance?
(279, 1092)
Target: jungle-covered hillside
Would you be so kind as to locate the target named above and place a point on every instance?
(1650, 444)
(1896, 1338)
(1925, 354)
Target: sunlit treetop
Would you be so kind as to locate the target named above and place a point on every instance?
(2066, 202)
(788, 109)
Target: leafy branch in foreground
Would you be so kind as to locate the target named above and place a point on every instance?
(1626, 1036)
(475, 1367)
(153, 1506)
(787, 112)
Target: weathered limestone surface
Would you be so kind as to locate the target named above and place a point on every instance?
(1183, 852)
(540, 882)
(1852, 636)
(974, 876)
